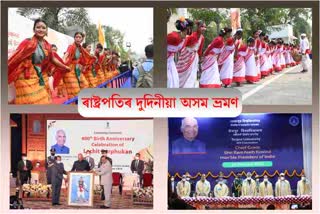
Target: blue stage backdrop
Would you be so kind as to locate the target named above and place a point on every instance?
(250, 142)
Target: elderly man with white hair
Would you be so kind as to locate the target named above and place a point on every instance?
(305, 50)
(188, 144)
(61, 141)
(203, 186)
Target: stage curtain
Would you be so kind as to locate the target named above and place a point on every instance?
(307, 145)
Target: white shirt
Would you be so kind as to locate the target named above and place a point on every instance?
(304, 45)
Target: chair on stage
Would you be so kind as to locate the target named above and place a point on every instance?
(147, 179)
(117, 181)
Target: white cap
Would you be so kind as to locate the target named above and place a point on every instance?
(303, 34)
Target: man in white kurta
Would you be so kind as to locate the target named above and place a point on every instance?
(305, 50)
(203, 186)
(183, 188)
(105, 171)
(265, 187)
(283, 187)
(303, 187)
(221, 190)
(249, 187)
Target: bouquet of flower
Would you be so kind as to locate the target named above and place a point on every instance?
(36, 190)
(144, 195)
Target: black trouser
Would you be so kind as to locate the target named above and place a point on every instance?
(56, 188)
(102, 193)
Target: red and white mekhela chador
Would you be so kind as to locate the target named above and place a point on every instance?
(282, 60)
(210, 77)
(287, 56)
(251, 68)
(187, 65)
(276, 59)
(239, 69)
(258, 47)
(264, 64)
(268, 54)
(174, 45)
(226, 62)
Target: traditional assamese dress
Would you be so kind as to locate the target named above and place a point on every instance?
(75, 80)
(251, 68)
(226, 61)
(174, 45)
(25, 71)
(210, 77)
(239, 70)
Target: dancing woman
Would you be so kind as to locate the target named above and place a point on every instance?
(77, 58)
(25, 67)
(188, 61)
(89, 71)
(210, 77)
(175, 43)
(251, 68)
(226, 59)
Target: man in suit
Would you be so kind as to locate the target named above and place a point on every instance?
(172, 185)
(80, 165)
(60, 144)
(105, 171)
(90, 160)
(24, 170)
(49, 164)
(57, 171)
(137, 166)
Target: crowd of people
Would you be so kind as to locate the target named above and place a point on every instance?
(35, 60)
(55, 173)
(228, 58)
(248, 186)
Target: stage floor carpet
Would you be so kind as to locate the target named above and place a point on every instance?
(118, 201)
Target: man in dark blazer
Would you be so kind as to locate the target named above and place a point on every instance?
(50, 160)
(172, 185)
(137, 166)
(24, 170)
(57, 171)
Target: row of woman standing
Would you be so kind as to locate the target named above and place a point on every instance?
(226, 60)
(34, 61)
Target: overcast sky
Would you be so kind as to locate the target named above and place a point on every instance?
(135, 23)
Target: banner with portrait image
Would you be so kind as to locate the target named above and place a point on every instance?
(122, 138)
(249, 142)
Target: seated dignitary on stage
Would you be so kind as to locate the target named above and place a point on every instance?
(203, 186)
(249, 186)
(265, 187)
(188, 144)
(57, 171)
(80, 165)
(303, 186)
(183, 188)
(283, 187)
(220, 190)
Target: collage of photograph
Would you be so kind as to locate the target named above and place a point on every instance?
(56, 159)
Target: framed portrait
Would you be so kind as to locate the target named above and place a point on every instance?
(80, 191)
